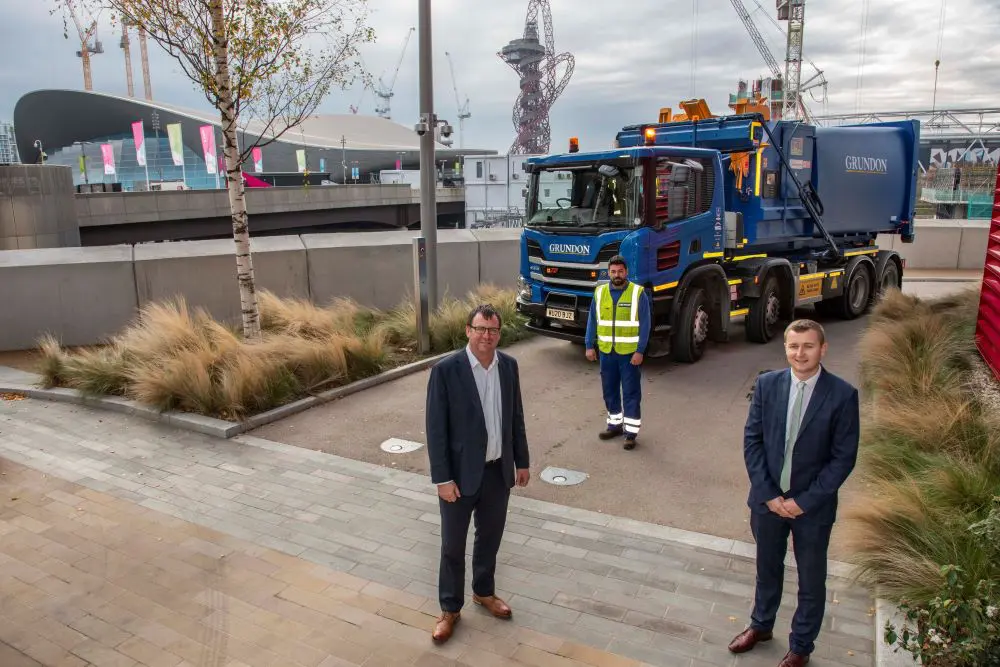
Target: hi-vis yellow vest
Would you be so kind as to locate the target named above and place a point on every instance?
(618, 324)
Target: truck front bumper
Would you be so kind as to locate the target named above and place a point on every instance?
(574, 331)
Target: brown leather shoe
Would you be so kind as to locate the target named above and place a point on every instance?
(494, 605)
(445, 626)
(747, 639)
(793, 660)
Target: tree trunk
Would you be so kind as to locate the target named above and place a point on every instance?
(234, 177)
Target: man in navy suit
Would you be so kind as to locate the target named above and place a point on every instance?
(478, 450)
(800, 445)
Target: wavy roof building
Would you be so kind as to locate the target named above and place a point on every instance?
(72, 124)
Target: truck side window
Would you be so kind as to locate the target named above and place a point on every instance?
(680, 191)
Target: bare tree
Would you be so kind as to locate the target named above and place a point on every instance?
(264, 64)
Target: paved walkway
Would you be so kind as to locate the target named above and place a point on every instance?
(125, 542)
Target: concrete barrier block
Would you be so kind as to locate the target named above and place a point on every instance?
(499, 256)
(935, 247)
(376, 268)
(80, 295)
(107, 208)
(972, 251)
(204, 272)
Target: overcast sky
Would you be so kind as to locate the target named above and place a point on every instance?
(632, 57)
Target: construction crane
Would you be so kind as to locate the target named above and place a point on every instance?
(793, 11)
(87, 47)
(463, 109)
(124, 44)
(144, 52)
(792, 105)
(385, 92)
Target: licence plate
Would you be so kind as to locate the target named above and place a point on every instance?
(556, 313)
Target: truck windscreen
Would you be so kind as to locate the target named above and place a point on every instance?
(586, 196)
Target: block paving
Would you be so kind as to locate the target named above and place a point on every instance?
(128, 542)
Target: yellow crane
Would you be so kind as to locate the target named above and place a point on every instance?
(124, 44)
(87, 33)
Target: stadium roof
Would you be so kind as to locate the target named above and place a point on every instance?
(59, 118)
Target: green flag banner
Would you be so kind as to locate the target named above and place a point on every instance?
(176, 144)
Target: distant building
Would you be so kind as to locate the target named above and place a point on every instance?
(71, 125)
(8, 144)
(496, 190)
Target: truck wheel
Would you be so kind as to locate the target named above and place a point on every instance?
(857, 294)
(692, 329)
(890, 280)
(765, 313)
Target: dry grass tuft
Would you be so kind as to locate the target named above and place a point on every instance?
(173, 357)
(930, 447)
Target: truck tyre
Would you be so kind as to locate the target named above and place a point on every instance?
(857, 293)
(765, 313)
(692, 327)
(890, 280)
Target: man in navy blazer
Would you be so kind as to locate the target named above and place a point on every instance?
(478, 450)
(800, 444)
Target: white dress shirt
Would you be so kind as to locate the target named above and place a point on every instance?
(488, 386)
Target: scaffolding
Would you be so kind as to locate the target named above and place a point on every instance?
(8, 145)
(962, 191)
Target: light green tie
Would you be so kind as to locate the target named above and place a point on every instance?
(791, 435)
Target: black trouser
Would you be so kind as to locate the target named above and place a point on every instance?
(489, 506)
(810, 541)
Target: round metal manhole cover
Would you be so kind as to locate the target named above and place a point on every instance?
(397, 446)
(562, 476)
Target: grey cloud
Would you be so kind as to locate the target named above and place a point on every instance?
(629, 62)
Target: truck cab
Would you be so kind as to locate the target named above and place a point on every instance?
(584, 208)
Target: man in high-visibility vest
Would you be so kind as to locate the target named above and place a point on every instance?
(618, 327)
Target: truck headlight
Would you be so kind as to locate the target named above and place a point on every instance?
(523, 289)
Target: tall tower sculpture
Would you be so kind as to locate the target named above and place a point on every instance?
(535, 63)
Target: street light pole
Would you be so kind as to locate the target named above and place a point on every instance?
(428, 177)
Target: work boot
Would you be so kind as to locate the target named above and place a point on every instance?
(629, 442)
(611, 432)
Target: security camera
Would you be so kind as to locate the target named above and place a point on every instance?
(421, 128)
(446, 130)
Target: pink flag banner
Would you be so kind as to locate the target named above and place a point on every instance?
(140, 143)
(208, 148)
(108, 152)
(258, 159)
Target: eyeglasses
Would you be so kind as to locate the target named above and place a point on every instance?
(492, 331)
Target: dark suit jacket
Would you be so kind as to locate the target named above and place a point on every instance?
(456, 428)
(825, 451)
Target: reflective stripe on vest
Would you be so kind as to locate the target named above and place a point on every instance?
(617, 324)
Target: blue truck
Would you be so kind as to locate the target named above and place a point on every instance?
(719, 218)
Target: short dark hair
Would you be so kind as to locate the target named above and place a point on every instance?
(487, 311)
(802, 326)
(617, 259)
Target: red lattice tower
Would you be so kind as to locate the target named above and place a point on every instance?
(988, 322)
(536, 63)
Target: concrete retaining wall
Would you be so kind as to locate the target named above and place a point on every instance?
(37, 208)
(82, 295)
(943, 244)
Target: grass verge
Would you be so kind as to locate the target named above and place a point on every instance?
(174, 357)
(930, 453)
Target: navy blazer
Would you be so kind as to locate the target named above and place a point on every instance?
(824, 454)
(456, 428)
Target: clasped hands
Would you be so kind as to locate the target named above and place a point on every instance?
(449, 492)
(785, 507)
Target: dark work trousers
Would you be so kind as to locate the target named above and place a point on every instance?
(621, 382)
(810, 541)
(489, 507)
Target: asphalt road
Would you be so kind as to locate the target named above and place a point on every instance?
(688, 469)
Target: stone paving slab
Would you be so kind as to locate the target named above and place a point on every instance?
(595, 587)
